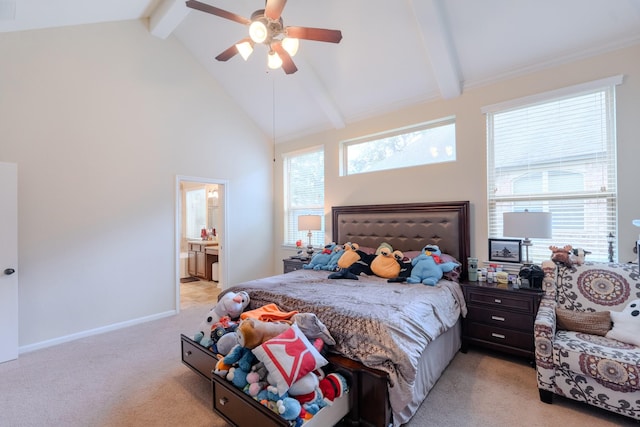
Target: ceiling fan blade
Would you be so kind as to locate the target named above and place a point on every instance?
(228, 53)
(317, 34)
(273, 9)
(193, 4)
(287, 63)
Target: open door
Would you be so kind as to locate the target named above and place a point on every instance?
(210, 195)
(8, 262)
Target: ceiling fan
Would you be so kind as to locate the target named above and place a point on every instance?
(266, 27)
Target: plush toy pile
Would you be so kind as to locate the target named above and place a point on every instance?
(279, 363)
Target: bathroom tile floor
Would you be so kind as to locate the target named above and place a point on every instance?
(201, 292)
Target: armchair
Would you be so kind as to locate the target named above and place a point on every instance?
(584, 366)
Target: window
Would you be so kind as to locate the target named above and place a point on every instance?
(427, 143)
(303, 194)
(556, 153)
(196, 212)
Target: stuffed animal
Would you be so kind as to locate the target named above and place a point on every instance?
(352, 263)
(230, 304)
(385, 264)
(253, 332)
(257, 379)
(240, 356)
(312, 327)
(626, 324)
(428, 268)
(577, 256)
(333, 385)
(238, 377)
(320, 260)
(336, 254)
(561, 255)
(289, 408)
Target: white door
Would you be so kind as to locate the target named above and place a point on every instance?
(8, 261)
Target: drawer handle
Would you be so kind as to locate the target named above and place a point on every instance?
(187, 353)
(497, 301)
(501, 319)
(223, 401)
(493, 334)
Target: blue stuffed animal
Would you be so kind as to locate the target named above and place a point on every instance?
(428, 268)
(320, 260)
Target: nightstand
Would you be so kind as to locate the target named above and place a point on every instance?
(500, 318)
(293, 264)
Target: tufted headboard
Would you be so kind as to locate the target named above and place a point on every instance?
(406, 227)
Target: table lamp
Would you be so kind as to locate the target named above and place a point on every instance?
(527, 224)
(309, 222)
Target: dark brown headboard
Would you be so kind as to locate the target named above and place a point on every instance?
(406, 227)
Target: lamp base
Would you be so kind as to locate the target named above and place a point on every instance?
(309, 251)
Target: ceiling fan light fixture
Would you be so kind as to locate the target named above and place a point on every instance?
(258, 30)
(291, 45)
(273, 60)
(245, 49)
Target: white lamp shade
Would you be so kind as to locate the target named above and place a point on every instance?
(309, 222)
(273, 61)
(527, 224)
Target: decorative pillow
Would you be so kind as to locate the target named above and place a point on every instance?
(288, 357)
(626, 324)
(588, 322)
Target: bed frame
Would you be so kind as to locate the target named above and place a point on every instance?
(406, 227)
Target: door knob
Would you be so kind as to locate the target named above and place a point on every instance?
(9, 271)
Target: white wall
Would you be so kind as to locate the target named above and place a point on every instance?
(100, 119)
(465, 179)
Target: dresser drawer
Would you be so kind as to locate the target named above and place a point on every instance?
(502, 336)
(240, 411)
(197, 357)
(511, 300)
(500, 318)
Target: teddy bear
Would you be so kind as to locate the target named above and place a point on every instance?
(561, 255)
(253, 332)
(626, 324)
(231, 305)
(428, 268)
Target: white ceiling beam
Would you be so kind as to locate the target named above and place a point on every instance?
(438, 43)
(166, 18)
(314, 86)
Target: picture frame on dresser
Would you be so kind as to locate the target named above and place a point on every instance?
(505, 250)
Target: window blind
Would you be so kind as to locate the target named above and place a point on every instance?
(304, 193)
(557, 153)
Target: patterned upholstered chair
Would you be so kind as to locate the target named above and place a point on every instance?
(589, 368)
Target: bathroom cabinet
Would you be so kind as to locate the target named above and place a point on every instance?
(201, 256)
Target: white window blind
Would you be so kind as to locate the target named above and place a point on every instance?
(557, 153)
(303, 194)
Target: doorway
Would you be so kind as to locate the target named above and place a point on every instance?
(201, 237)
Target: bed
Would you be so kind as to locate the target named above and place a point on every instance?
(399, 338)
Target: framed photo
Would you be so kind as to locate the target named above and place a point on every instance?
(505, 250)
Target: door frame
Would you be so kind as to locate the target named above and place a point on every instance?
(224, 231)
(9, 339)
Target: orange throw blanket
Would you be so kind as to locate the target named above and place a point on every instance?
(268, 313)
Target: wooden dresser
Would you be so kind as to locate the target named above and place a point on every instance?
(500, 318)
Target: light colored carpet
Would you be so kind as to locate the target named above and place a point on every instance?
(134, 377)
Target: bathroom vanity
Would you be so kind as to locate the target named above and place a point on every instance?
(201, 256)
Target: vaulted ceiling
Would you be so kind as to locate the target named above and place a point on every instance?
(394, 53)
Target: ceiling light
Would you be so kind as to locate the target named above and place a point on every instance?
(274, 62)
(245, 49)
(290, 45)
(258, 30)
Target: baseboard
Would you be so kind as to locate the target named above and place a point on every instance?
(96, 331)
